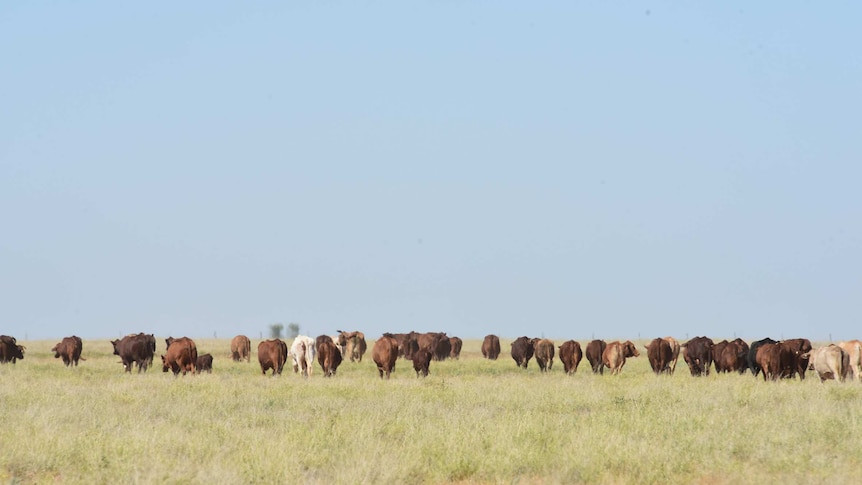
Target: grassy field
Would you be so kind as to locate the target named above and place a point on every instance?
(470, 421)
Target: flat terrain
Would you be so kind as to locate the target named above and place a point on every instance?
(470, 421)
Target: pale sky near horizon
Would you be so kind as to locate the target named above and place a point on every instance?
(559, 169)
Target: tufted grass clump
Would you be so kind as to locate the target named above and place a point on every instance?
(470, 421)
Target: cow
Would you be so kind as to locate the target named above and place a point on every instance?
(180, 356)
(491, 347)
(798, 364)
(69, 349)
(302, 352)
(830, 362)
(659, 354)
(385, 353)
(421, 361)
(240, 349)
(697, 353)
(137, 349)
(776, 360)
(853, 349)
(272, 354)
(594, 352)
(733, 357)
(408, 344)
(522, 351)
(444, 348)
(753, 365)
(716, 352)
(204, 364)
(544, 353)
(455, 343)
(614, 356)
(674, 353)
(353, 344)
(570, 356)
(328, 356)
(10, 351)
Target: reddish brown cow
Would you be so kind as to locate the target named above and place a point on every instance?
(570, 356)
(491, 347)
(769, 359)
(421, 362)
(455, 343)
(797, 348)
(544, 353)
(204, 364)
(69, 349)
(272, 354)
(615, 354)
(385, 353)
(181, 356)
(240, 348)
(733, 357)
(717, 349)
(328, 356)
(659, 355)
(522, 351)
(595, 350)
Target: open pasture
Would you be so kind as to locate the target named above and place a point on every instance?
(470, 421)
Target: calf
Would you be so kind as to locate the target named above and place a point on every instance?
(204, 364)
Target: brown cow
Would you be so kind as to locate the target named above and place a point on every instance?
(204, 364)
(614, 356)
(10, 351)
(455, 343)
(272, 354)
(772, 359)
(674, 353)
(659, 354)
(570, 356)
(444, 348)
(853, 349)
(522, 351)
(716, 350)
(491, 347)
(798, 363)
(135, 349)
(544, 353)
(595, 350)
(69, 349)
(353, 343)
(733, 357)
(240, 348)
(385, 353)
(697, 353)
(328, 356)
(181, 356)
(421, 361)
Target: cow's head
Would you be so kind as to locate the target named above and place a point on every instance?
(56, 351)
(165, 365)
(629, 349)
(114, 343)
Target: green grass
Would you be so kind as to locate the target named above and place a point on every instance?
(470, 421)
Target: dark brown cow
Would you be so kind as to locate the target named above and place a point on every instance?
(328, 356)
(544, 353)
(717, 349)
(491, 347)
(137, 349)
(769, 359)
(385, 353)
(752, 354)
(594, 352)
(240, 349)
(353, 343)
(69, 349)
(570, 356)
(181, 356)
(733, 357)
(421, 362)
(798, 348)
(455, 343)
(615, 354)
(10, 351)
(659, 354)
(697, 353)
(272, 354)
(444, 348)
(204, 364)
(522, 351)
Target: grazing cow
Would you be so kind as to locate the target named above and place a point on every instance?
(674, 353)
(272, 354)
(69, 349)
(353, 344)
(385, 353)
(204, 364)
(137, 349)
(544, 352)
(798, 364)
(753, 364)
(181, 356)
(853, 349)
(570, 356)
(614, 356)
(830, 362)
(522, 351)
(328, 356)
(659, 354)
(455, 343)
(302, 352)
(10, 351)
(421, 361)
(491, 347)
(594, 352)
(697, 353)
(240, 348)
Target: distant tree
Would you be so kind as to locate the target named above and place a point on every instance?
(275, 330)
(292, 330)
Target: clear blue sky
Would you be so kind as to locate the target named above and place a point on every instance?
(567, 169)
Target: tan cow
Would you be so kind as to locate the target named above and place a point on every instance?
(830, 362)
(544, 353)
(353, 344)
(614, 356)
(674, 353)
(240, 348)
(853, 348)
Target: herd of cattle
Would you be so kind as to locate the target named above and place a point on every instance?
(773, 359)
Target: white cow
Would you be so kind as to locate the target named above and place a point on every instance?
(302, 351)
(830, 362)
(853, 348)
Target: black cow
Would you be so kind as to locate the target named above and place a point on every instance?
(135, 349)
(697, 353)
